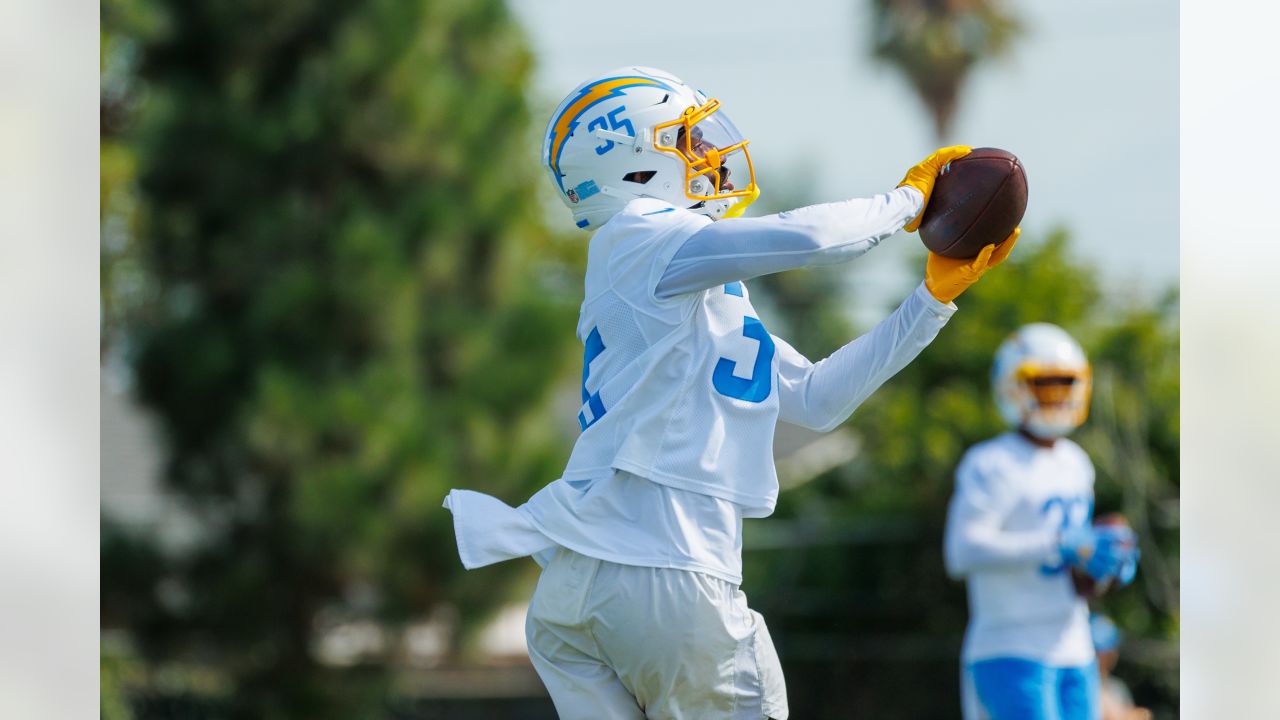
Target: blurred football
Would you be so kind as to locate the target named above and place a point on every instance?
(1086, 587)
(978, 200)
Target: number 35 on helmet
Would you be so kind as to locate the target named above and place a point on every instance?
(640, 132)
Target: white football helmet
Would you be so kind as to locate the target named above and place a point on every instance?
(640, 132)
(1042, 381)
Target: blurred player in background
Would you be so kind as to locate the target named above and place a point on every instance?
(638, 612)
(1019, 521)
(1117, 701)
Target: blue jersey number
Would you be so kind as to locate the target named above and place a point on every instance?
(754, 389)
(757, 387)
(591, 400)
(613, 124)
(1070, 512)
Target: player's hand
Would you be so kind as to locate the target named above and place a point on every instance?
(947, 277)
(1116, 554)
(925, 174)
(1105, 552)
(1128, 563)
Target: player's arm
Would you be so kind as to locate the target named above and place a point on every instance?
(822, 395)
(742, 248)
(974, 539)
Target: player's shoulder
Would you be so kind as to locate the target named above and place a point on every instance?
(629, 252)
(647, 207)
(1071, 447)
(638, 226)
(1071, 450)
(645, 217)
(992, 450)
(645, 231)
(989, 460)
(645, 224)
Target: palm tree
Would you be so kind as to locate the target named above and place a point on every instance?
(936, 42)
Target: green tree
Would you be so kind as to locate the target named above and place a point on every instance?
(123, 283)
(935, 43)
(352, 315)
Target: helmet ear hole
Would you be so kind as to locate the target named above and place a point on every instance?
(640, 176)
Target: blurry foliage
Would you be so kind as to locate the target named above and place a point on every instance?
(124, 289)
(329, 202)
(935, 43)
(850, 573)
(112, 701)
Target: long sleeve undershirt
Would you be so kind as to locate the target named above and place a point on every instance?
(743, 248)
(822, 395)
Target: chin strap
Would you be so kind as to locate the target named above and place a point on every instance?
(742, 205)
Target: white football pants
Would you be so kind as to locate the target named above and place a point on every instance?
(627, 642)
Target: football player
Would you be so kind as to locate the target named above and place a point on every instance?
(1019, 521)
(638, 612)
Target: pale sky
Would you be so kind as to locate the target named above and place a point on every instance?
(1088, 98)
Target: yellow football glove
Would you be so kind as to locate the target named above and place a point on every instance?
(947, 277)
(923, 176)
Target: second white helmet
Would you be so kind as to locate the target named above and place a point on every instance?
(1042, 381)
(641, 132)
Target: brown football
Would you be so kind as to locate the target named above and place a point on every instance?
(978, 200)
(1086, 587)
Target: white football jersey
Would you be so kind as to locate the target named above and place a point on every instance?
(681, 391)
(682, 386)
(1012, 500)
